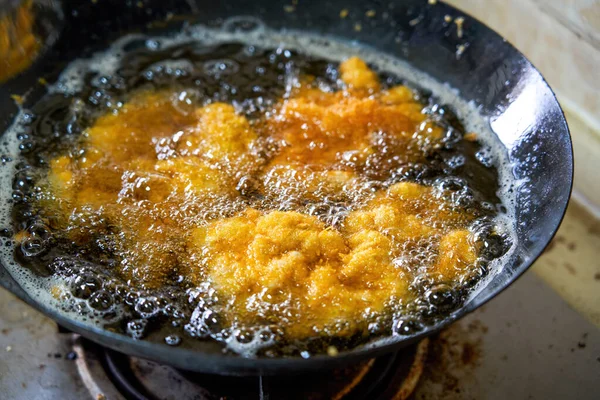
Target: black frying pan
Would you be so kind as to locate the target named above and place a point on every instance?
(490, 72)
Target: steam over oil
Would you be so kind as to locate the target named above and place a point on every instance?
(236, 188)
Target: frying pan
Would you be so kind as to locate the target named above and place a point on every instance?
(522, 108)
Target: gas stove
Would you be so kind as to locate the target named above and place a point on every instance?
(527, 343)
(112, 375)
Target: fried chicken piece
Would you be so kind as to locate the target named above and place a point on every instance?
(74, 188)
(60, 177)
(129, 132)
(286, 262)
(133, 153)
(19, 39)
(192, 176)
(410, 214)
(456, 256)
(220, 134)
(150, 171)
(406, 211)
(356, 74)
(319, 135)
(397, 95)
(350, 130)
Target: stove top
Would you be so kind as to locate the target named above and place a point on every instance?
(527, 343)
(110, 374)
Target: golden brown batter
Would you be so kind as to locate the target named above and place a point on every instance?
(172, 184)
(18, 44)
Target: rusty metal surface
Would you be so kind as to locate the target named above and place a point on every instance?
(527, 343)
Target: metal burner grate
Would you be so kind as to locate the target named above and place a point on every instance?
(389, 377)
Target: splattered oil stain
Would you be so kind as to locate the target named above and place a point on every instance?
(453, 357)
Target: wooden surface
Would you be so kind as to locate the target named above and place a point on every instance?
(562, 39)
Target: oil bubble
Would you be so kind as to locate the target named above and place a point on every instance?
(173, 340)
(407, 326)
(40, 231)
(243, 336)
(33, 247)
(442, 297)
(84, 285)
(136, 328)
(147, 307)
(221, 67)
(101, 301)
(211, 320)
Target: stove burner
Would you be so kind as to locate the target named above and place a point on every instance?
(109, 374)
